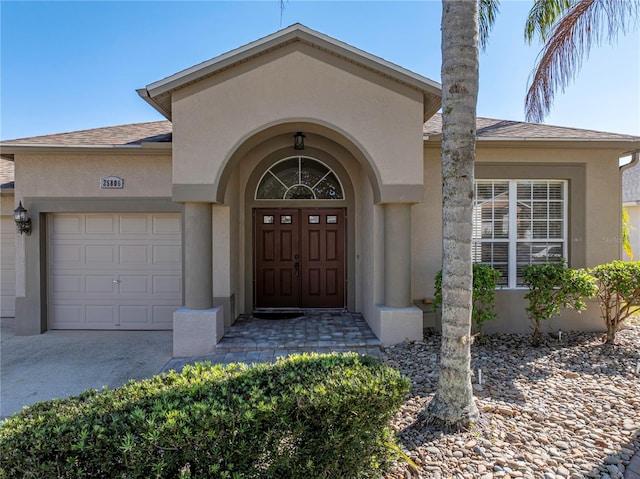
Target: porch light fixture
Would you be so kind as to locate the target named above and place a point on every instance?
(298, 141)
(22, 219)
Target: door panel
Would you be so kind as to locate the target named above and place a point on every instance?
(299, 258)
(322, 258)
(276, 237)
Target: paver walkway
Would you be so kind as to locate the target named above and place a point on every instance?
(251, 340)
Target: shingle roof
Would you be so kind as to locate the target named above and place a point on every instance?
(131, 134)
(161, 131)
(7, 173)
(631, 184)
(507, 129)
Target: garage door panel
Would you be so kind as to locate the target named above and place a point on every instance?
(67, 283)
(132, 315)
(71, 315)
(163, 316)
(115, 271)
(134, 253)
(102, 225)
(8, 279)
(8, 251)
(99, 284)
(7, 266)
(134, 285)
(100, 254)
(163, 225)
(100, 314)
(167, 254)
(134, 224)
(167, 284)
(67, 225)
(67, 255)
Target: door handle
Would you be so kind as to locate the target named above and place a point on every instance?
(116, 281)
(297, 267)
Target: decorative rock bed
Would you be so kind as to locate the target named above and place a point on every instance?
(567, 409)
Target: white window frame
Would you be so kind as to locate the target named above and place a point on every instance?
(512, 237)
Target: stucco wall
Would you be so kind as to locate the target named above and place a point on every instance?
(235, 249)
(371, 258)
(6, 203)
(594, 228)
(297, 83)
(77, 175)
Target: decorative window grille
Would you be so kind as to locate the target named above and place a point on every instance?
(299, 178)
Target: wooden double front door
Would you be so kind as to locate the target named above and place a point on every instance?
(299, 257)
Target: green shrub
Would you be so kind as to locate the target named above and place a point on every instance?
(618, 293)
(309, 416)
(485, 281)
(553, 286)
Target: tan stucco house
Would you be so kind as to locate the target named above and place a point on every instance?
(294, 172)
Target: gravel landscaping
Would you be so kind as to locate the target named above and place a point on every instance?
(567, 409)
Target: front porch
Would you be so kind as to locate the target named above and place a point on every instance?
(251, 339)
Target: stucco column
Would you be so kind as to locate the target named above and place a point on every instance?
(198, 279)
(397, 255)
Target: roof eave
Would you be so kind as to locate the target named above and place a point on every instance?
(630, 143)
(146, 96)
(9, 150)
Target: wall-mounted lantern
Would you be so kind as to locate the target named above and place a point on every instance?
(22, 219)
(298, 143)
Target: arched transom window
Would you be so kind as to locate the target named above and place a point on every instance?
(299, 178)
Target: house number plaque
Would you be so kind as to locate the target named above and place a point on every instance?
(111, 183)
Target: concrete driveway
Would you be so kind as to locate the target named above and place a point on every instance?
(58, 364)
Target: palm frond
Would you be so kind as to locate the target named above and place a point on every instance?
(487, 12)
(543, 16)
(570, 42)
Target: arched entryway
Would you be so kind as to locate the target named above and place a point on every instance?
(301, 246)
(299, 254)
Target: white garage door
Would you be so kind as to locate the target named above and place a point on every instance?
(114, 271)
(7, 267)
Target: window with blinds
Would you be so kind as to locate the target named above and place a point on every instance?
(518, 222)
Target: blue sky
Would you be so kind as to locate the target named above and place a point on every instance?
(67, 66)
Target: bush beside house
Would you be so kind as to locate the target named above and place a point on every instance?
(313, 416)
(553, 286)
(618, 293)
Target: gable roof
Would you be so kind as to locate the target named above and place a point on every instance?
(158, 94)
(492, 129)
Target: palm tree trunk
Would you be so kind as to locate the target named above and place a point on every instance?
(453, 406)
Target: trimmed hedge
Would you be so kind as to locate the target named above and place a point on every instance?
(618, 293)
(553, 286)
(311, 416)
